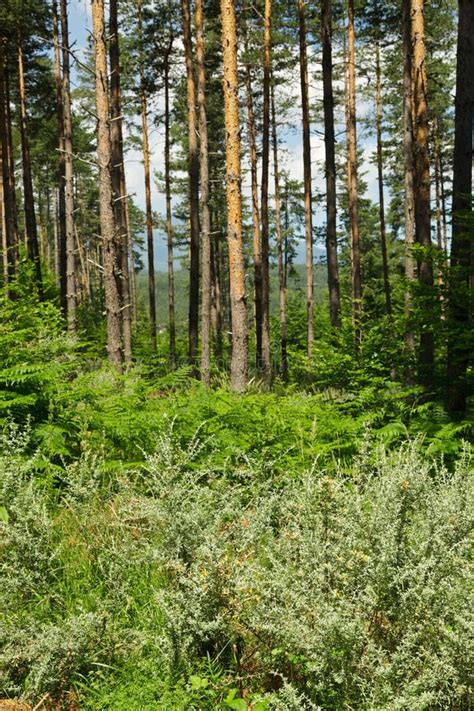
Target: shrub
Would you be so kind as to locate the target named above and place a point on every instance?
(190, 587)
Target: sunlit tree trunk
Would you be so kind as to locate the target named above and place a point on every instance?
(238, 375)
(352, 179)
(422, 192)
(119, 186)
(279, 240)
(148, 210)
(205, 213)
(11, 168)
(308, 207)
(104, 156)
(330, 167)
(462, 257)
(193, 173)
(265, 365)
(28, 197)
(383, 232)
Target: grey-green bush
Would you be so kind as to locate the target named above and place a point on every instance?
(316, 591)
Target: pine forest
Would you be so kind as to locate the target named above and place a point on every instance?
(236, 355)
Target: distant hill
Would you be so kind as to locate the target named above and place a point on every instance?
(296, 281)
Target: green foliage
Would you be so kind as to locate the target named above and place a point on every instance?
(188, 588)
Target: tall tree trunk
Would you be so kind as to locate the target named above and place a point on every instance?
(169, 224)
(148, 210)
(104, 156)
(8, 209)
(265, 365)
(205, 213)
(29, 202)
(61, 198)
(257, 241)
(383, 232)
(330, 169)
(119, 186)
(193, 171)
(3, 226)
(131, 261)
(409, 173)
(460, 332)
(11, 169)
(308, 206)
(71, 295)
(279, 239)
(216, 292)
(352, 179)
(422, 192)
(239, 363)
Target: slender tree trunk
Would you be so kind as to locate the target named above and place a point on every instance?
(216, 295)
(131, 258)
(11, 169)
(104, 156)
(239, 363)
(148, 210)
(61, 198)
(3, 225)
(205, 213)
(352, 179)
(257, 241)
(169, 224)
(409, 173)
(71, 295)
(29, 202)
(279, 240)
(308, 206)
(265, 365)
(330, 169)
(119, 186)
(193, 170)
(7, 202)
(383, 233)
(460, 319)
(422, 192)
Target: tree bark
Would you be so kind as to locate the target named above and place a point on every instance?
(11, 168)
(422, 193)
(148, 210)
(205, 213)
(169, 224)
(104, 157)
(119, 187)
(383, 232)
(330, 168)
(193, 172)
(257, 241)
(28, 196)
(61, 198)
(460, 318)
(239, 362)
(8, 210)
(409, 173)
(352, 180)
(71, 296)
(265, 365)
(279, 240)
(308, 206)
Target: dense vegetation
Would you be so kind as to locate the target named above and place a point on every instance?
(244, 482)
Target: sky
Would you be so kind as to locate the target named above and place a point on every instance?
(291, 159)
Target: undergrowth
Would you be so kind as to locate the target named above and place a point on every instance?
(180, 586)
